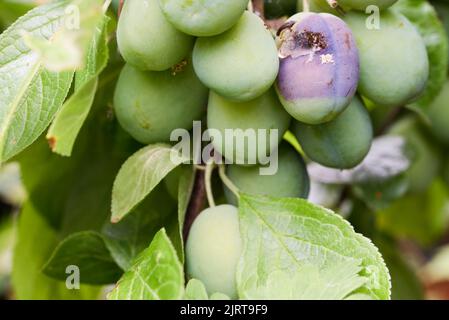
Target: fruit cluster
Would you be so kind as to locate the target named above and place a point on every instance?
(313, 75)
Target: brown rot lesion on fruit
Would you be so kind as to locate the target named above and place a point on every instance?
(179, 67)
(294, 43)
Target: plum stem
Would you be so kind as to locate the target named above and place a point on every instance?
(120, 7)
(228, 183)
(210, 166)
(305, 6)
(333, 3)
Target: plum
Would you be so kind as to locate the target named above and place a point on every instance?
(203, 18)
(438, 113)
(149, 105)
(342, 143)
(290, 181)
(213, 249)
(147, 40)
(394, 67)
(264, 112)
(319, 68)
(240, 64)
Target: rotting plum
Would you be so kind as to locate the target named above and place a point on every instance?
(264, 112)
(342, 143)
(394, 67)
(290, 180)
(203, 18)
(213, 249)
(240, 64)
(147, 40)
(149, 105)
(319, 68)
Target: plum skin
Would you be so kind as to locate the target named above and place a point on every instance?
(290, 181)
(394, 66)
(147, 40)
(240, 64)
(319, 67)
(203, 18)
(342, 143)
(213, 249)
(150, 105)
(264, 112)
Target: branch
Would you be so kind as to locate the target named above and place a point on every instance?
(196, 204)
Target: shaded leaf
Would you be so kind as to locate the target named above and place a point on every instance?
(87, 251)
(156, 274)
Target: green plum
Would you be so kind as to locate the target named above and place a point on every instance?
(149, 105)
(363, 4)
(147, 40)
(394, 66)
(427, 157)
(290, 180)
(438, 112)
(213, 249)
(203, 18)
(263, 113)
(240, 64)
(342, 143)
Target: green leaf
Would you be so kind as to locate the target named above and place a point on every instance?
(86, 250)
(67, 48)
(134, 233)
(195, 290)
(69, 120)
(139, 175)
(30, 95)
(11, 10)
(422, 14)
(421, 217)
(35, 242)
(186, 183)
(282, 237)
(156, 274)
(311, 283)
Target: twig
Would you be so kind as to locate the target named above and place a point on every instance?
(196, 204)
(120, 7)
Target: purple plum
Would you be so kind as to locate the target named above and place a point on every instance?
(319, 67)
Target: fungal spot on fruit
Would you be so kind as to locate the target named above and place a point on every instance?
(327, 58)
(177, 68)
(296, 44)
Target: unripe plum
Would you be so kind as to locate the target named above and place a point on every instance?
(438, 112)
(240, 64)
(213, 249)
(394, 67)
(319, 68)
(264, 112)
(150, 105)
(290, 180)
(363, 4)
(342, 143)
(147, 40)
(203, 18)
